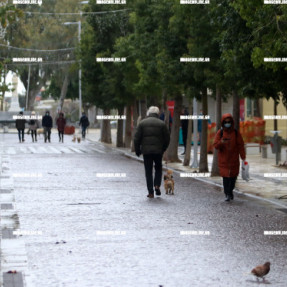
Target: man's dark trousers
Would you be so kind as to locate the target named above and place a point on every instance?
(21, 133)
(149, 159)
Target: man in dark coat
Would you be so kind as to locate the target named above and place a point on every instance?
(230, 145)
(152, 139)
(61, 123)
(84, 123)
(47, 123)
(20, 126)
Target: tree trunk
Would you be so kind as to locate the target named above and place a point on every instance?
(203, 162)
(166, 116)
(135, 119)
(120, 129)
(236, 110)
(64, 91)
(143, 108)
(215, 169)
(3, 92)
(32, 95)
(186, 161)
(275, 114)
(36, 83)
(257, 112)
(172, 151)
(128, 129)
(106, 129)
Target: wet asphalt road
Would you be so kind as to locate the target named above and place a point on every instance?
(70, 203)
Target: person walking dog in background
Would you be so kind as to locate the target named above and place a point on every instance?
(152, 139)
(230, 145)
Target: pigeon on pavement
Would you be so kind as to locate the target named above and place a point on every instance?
(261, 270)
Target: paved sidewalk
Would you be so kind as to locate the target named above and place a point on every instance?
(272, 189)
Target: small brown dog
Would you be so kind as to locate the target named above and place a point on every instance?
(168, 182)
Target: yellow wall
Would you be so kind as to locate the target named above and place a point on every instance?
(268, 109)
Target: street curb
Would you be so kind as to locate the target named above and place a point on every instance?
(236, 190)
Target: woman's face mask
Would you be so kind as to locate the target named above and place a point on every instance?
(227, 124)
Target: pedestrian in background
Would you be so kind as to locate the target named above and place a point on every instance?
(61, 123)
(33, 126)
(20, 126)
(84, 123)
(152, 139)
(47, 123)
(230, 145)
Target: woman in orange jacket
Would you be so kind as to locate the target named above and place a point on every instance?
(230, 146)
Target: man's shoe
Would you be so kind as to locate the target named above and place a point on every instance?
(227, 198)
(150, 195)
(157, 191)
(231, 195)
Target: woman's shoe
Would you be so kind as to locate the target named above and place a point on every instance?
(150, 195)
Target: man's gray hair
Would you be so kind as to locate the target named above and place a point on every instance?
(153, 110)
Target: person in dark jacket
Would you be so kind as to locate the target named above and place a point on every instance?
(61, 123)
(20, 126)
(230, 146)
(33, 125)
(152, 139)
(84, 123)
(47, 123)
